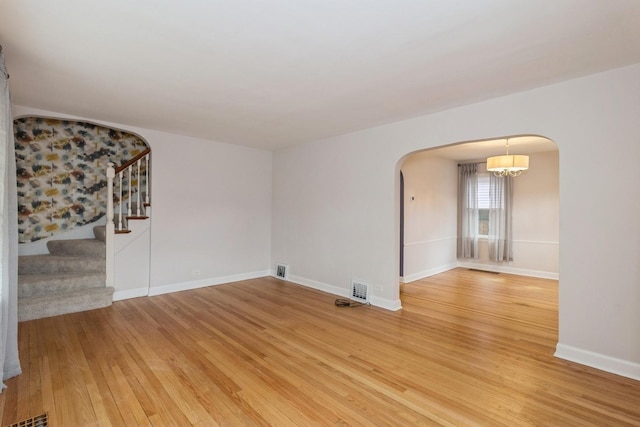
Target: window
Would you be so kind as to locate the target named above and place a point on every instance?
(483, 204)
(484, 209)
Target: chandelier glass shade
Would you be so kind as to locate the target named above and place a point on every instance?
(508, 164)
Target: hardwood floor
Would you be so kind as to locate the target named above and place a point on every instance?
(469, 348)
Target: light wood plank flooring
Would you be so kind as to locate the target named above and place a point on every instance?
(469, 348)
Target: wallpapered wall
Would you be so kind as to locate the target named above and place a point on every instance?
(61, 172)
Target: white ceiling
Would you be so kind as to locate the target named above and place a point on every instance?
(271, 74)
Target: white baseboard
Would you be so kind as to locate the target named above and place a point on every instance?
(599, 361)
(324, 287)
(428, 273)
(185, 286)
(509, 270)
(202, 283)
(130, 293)
(344, 292)
(387, 304)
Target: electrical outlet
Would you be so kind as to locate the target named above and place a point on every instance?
(195, 273)
(378, 287)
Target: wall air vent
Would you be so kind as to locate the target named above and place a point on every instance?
(359, 292)
(282, 271)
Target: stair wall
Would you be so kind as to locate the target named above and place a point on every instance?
(132, 256)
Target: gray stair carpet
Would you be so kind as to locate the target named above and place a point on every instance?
(71, 278)
(100, 231)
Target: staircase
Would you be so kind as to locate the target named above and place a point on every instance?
(71, 278)
(79, 274)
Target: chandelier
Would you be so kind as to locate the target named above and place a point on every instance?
(508, 164)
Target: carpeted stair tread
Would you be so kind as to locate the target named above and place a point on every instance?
(100, 232)
(77, 247)
(41, 306)
(71, 278)
(30, 285)
(42, 264)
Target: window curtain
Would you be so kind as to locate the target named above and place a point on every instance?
(468, 211)
(500, 223)
(9, 361)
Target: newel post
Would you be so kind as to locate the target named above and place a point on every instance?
(110, 228)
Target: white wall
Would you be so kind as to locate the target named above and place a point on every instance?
(430, 215)
(132, 261)
(211, 209)
(211, 212)
(330, 218)
(336, 208)
(536, 223)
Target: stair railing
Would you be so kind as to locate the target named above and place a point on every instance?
(116, 186)
(110, 229)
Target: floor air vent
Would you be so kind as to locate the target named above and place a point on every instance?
(39, 421)
(359, 292)
(282, 271)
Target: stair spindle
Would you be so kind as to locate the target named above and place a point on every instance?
(138, 213)
(146, 172)
(129, 213)
(120, 222)
(109, 228)
(110, 175)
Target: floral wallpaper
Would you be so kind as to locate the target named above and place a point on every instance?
(61, 172)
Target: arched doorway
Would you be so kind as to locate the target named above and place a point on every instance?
(428, 209)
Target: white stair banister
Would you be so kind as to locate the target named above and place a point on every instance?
(138, 213)
(146, 171)
(110, 229)
(133, 169)
(129, 213)
(117, 224)
(120, 219)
